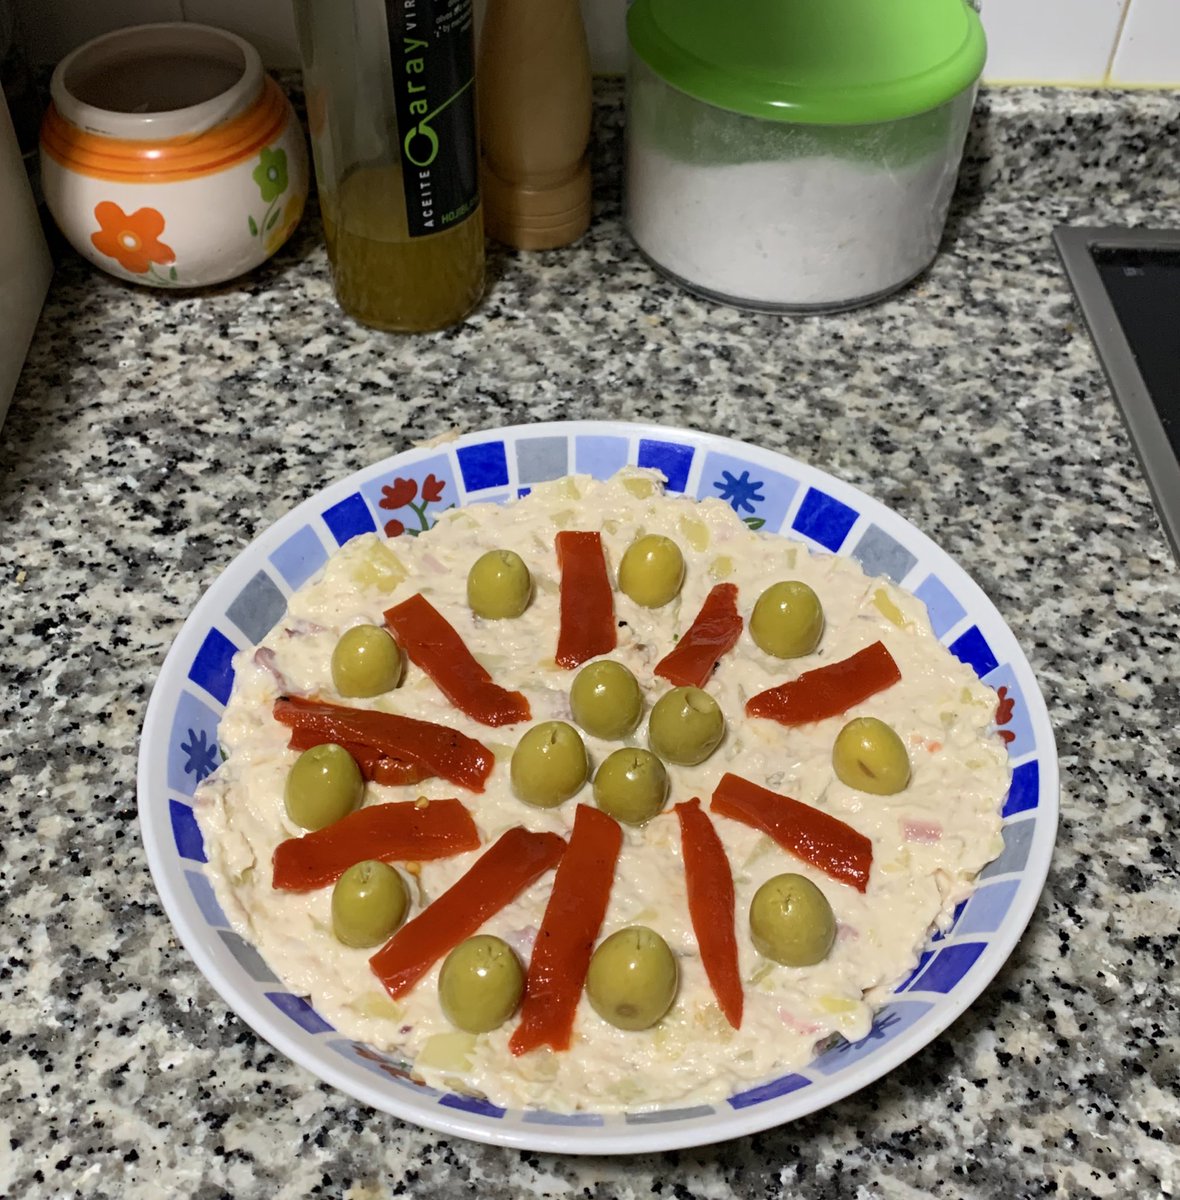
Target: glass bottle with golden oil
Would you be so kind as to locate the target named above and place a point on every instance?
(391, 108)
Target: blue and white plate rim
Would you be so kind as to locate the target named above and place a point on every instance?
(309, 1041)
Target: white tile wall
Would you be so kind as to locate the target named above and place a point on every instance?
(54, 27)
(1149, 49)
(269, 24)
(1068, 41)
(1046, 41)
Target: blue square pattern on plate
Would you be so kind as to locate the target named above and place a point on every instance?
(411, 502)
(298, 1009)
(192, 745)
(662, 1116)
(484, 465)
(674, 459)
(186, 833)
(972, 648)
(1018, 839)
(881, 554)
(257, 607)
(299, 557)
(1012, 716)
(987, 908)
(944, 610)
(542, 458)
(760, 497)
(824, 519)
(213, 667)
(1024, 790)
(247, 957)
(202, 891)
(540, 1116)
(349, 518)
(782, 1086)
(472, 1104)
(923, 959)
(948, 966)
(888, 1023)
(600, 456)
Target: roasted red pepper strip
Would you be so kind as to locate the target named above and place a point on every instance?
(402, 832)
(441, 751)
(517, 859)
(714, 633)
(433, 644)
(587, 602)
(569, 929)
(828, 691)
(817, 838)
(710, 905)
(380, 768)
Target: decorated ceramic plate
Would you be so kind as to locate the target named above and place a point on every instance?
(770, 492)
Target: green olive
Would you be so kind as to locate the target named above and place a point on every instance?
(869, 756)
(366, 662)
(652, 570)
(631, 785)
(632, 978)
(686, 726)
(549, 764)
(605, 700)
(791, 921)
(324, 785)
(499, 585)
(787, 620)
(369, 902)
(480, 984)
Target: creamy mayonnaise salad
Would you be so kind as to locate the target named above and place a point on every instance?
(929, 841)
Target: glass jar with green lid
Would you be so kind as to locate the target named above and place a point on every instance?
(796, 155)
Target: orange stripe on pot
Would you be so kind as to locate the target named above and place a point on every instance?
(125, 160)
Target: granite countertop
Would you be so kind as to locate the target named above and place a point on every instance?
(153, 435)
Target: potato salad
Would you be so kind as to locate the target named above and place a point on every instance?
(599, 799)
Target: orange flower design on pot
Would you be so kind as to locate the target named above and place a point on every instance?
(133, 239)
(177, 125)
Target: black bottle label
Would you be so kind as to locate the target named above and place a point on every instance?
(432, 50)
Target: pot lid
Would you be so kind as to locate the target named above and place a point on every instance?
(824, 62)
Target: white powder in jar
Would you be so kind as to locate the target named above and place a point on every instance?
(813, 231)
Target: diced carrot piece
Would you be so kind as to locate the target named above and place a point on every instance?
(587, 626)
(825, 842)
(516, 860)
(380, 768)
(439, 750)
(828, 691)
(712, 634)
(710, 905)
(569, 929)
(400, 832)
(433, 644)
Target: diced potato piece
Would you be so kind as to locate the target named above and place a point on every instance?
(695, 532)
(837, 1004)
(563, 518)
(447, 1051)
(721, 567)
(888, 609)
(378, 1005)
(371, 564)
(639, 487)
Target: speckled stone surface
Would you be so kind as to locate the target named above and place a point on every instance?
(152, 436)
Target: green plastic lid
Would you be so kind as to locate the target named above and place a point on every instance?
(822, 62)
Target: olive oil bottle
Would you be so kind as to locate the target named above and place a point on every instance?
(391, 109)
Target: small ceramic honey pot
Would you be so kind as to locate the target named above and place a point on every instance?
(169, 158)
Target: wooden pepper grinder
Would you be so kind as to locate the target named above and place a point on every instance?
(534, 115)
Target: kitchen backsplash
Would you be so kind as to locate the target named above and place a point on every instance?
(1114, 42)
